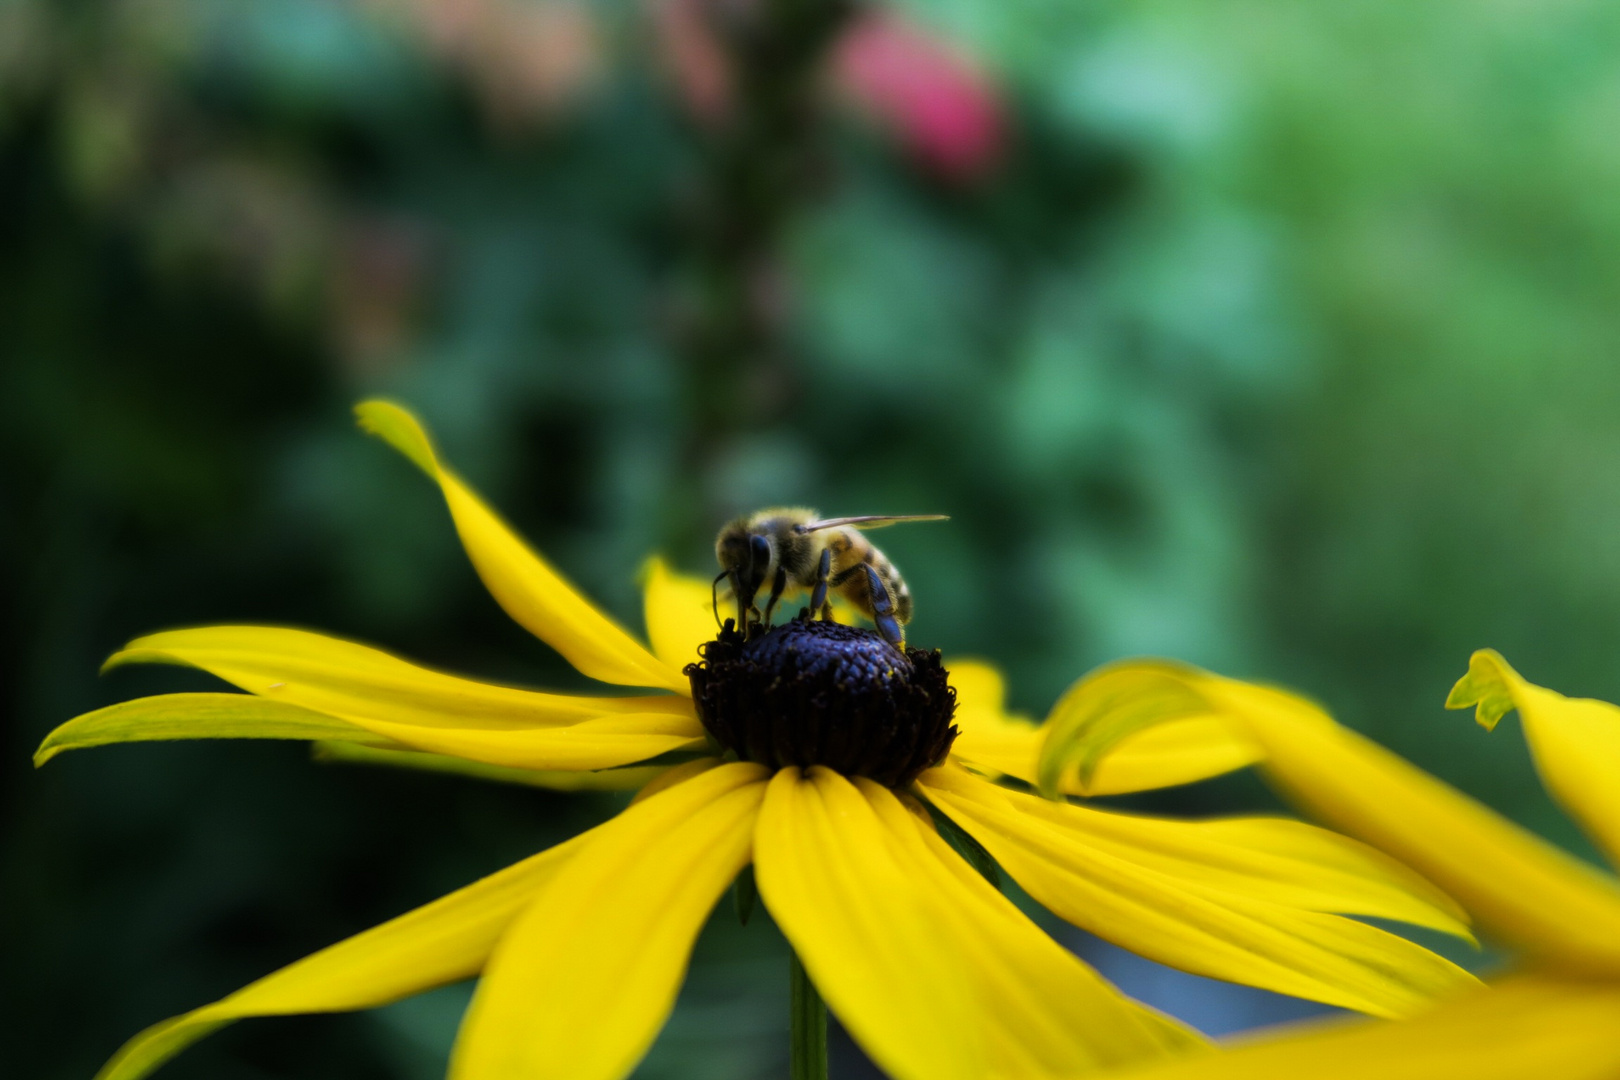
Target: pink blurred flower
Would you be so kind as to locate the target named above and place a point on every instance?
(936, 100)
(931, 96)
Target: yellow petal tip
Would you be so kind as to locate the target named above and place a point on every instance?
(652, 568)
(118, 659)
(399, 428)
(147, 649)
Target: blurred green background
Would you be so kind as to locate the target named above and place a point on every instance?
(1276, 337)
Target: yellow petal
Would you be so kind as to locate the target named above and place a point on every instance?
(1274, 859)
(426, 709)
(1183, 748)
(980, 687)
(604, 743)
(442, 942)
(1112, 705)
(869, 937)
(1043, 1011)
(625, 779)
(581, 983)
(1518, 886)
(675, 774)
(1523, 1027)
(347, 680)
(198, 716)
(1217, 925)
(679, 612)
(1575, 741)
(993, 740)
(534, 594)
(1179, 753)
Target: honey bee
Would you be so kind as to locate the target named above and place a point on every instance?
(794, 548)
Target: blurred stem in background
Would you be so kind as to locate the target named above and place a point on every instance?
(762, 159)
(808, 1031)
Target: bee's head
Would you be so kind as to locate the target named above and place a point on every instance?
(744, 557)
(731, 549)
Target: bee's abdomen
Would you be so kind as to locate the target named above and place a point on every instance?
(902, 600)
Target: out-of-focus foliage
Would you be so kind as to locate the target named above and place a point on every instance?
(1277, 338)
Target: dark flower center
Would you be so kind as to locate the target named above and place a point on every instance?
(821, 693)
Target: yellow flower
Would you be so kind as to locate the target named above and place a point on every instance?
(582, 948)
(1558, 1016)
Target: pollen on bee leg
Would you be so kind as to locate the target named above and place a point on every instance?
(822, 693)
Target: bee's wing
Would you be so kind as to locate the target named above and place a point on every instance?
(870, 521)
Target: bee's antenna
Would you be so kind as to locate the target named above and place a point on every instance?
(714, 595)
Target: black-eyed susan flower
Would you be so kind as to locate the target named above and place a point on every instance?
(1557, 1013)
(823, 758)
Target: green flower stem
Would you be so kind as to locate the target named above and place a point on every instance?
(807, 1033)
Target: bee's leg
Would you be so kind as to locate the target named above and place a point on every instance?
(714, 594)
(883, 609)
(818, 598)
(777, 585)
(747, 614)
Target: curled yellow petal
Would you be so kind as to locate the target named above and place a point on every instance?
(1177, 753)
(583, 980)
(1518, 886)
(1192, 749)
(1228, 916)
(1116, 705)
(523, 583)
(679, 612)
(1044, 1012)
(1525, 1026)
(869, 936)
(994, 740)
(1575, 741)
(199, 716)
(442, 942)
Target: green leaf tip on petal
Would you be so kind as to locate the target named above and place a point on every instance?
(399, 428)
(1488, 686)
(1575, 742)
